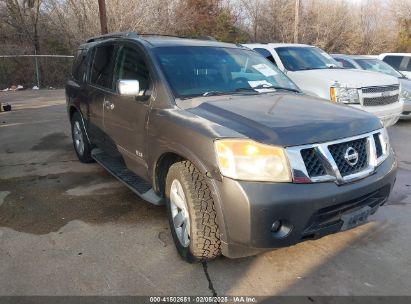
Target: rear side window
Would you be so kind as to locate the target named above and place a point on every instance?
(394, 61)
(408, 66)
(80, 66)
(296, 58)
(102, 66)
(266, 53)
(345, 63)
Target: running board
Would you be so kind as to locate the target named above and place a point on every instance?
(128, 178)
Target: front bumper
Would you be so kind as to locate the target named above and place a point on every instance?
(309, 211)
(388, 114)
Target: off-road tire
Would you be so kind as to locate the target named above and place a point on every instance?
(204, 233)
(85, 157)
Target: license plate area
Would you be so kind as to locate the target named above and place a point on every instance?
(355, 218)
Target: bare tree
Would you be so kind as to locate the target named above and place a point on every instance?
(370, 26)
(23, 17)
(253, 10)
(401, 13)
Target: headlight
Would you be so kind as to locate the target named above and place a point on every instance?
(344, 95)
(406, 94)
(385, 142)
(248, 160)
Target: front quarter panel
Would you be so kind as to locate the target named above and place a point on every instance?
(191, 137)
(178, 131)
(311, 85)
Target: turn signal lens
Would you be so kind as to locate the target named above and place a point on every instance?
(344, 95)
(332, 94)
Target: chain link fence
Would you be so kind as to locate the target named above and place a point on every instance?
(43, 71)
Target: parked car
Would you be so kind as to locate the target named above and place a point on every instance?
(399, 61)
(364, 62)
(318, 74)
(243, 161)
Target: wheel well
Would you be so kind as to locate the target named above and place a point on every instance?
(163, 164)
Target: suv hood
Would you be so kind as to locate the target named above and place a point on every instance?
(284, 119)
(351, 78)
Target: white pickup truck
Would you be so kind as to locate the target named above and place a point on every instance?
(318, 74)
(399, 61)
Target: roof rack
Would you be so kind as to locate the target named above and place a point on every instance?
(135, 35)
(161, 35)
(114, 35)
(177, 36)
(205, 38)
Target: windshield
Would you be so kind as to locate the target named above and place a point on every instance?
(378, 66)
(200, 70)
(305, 58)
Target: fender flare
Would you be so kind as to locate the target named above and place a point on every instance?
(188, 154)
(77, 109)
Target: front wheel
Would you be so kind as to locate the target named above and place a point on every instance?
(191, 213)
(80, 142)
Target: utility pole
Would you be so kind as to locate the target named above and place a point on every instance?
(296, 20)
(103, 16)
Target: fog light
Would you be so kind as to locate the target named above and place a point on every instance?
(276, 226)
(281, 229)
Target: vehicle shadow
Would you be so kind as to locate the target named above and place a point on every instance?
(45, 186)
(43, 204)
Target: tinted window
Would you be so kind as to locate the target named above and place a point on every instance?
(305, 58)
(377, 65)
(80, 65)
(345, 63)
(408, 66)
(394, 61)
(101, 69)
(194, 71)
(266, 53)
(131, 66)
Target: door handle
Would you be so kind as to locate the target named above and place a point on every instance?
(108, 105)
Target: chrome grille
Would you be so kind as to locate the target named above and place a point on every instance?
(380, 96)
(380, 101)
(340, 161)
(312, 162)
(338, 152)
(378, 146)
(380, 89)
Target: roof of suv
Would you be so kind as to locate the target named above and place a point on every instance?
(162, 40)
(279, 44)
(395, 54)
(180, 41)
(353, 56)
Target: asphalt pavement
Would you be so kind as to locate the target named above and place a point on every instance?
(68, 228)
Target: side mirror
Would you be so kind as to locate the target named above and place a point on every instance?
(129, 87)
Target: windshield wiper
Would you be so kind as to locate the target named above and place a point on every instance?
(212, 93)
(312, 68)
(240, 90)
(217, 93)
(321, 68)
(263, 86)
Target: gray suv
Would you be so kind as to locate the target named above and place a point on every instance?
(243, 161)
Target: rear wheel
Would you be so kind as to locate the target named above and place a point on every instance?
(80, 142)
(191, 213)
